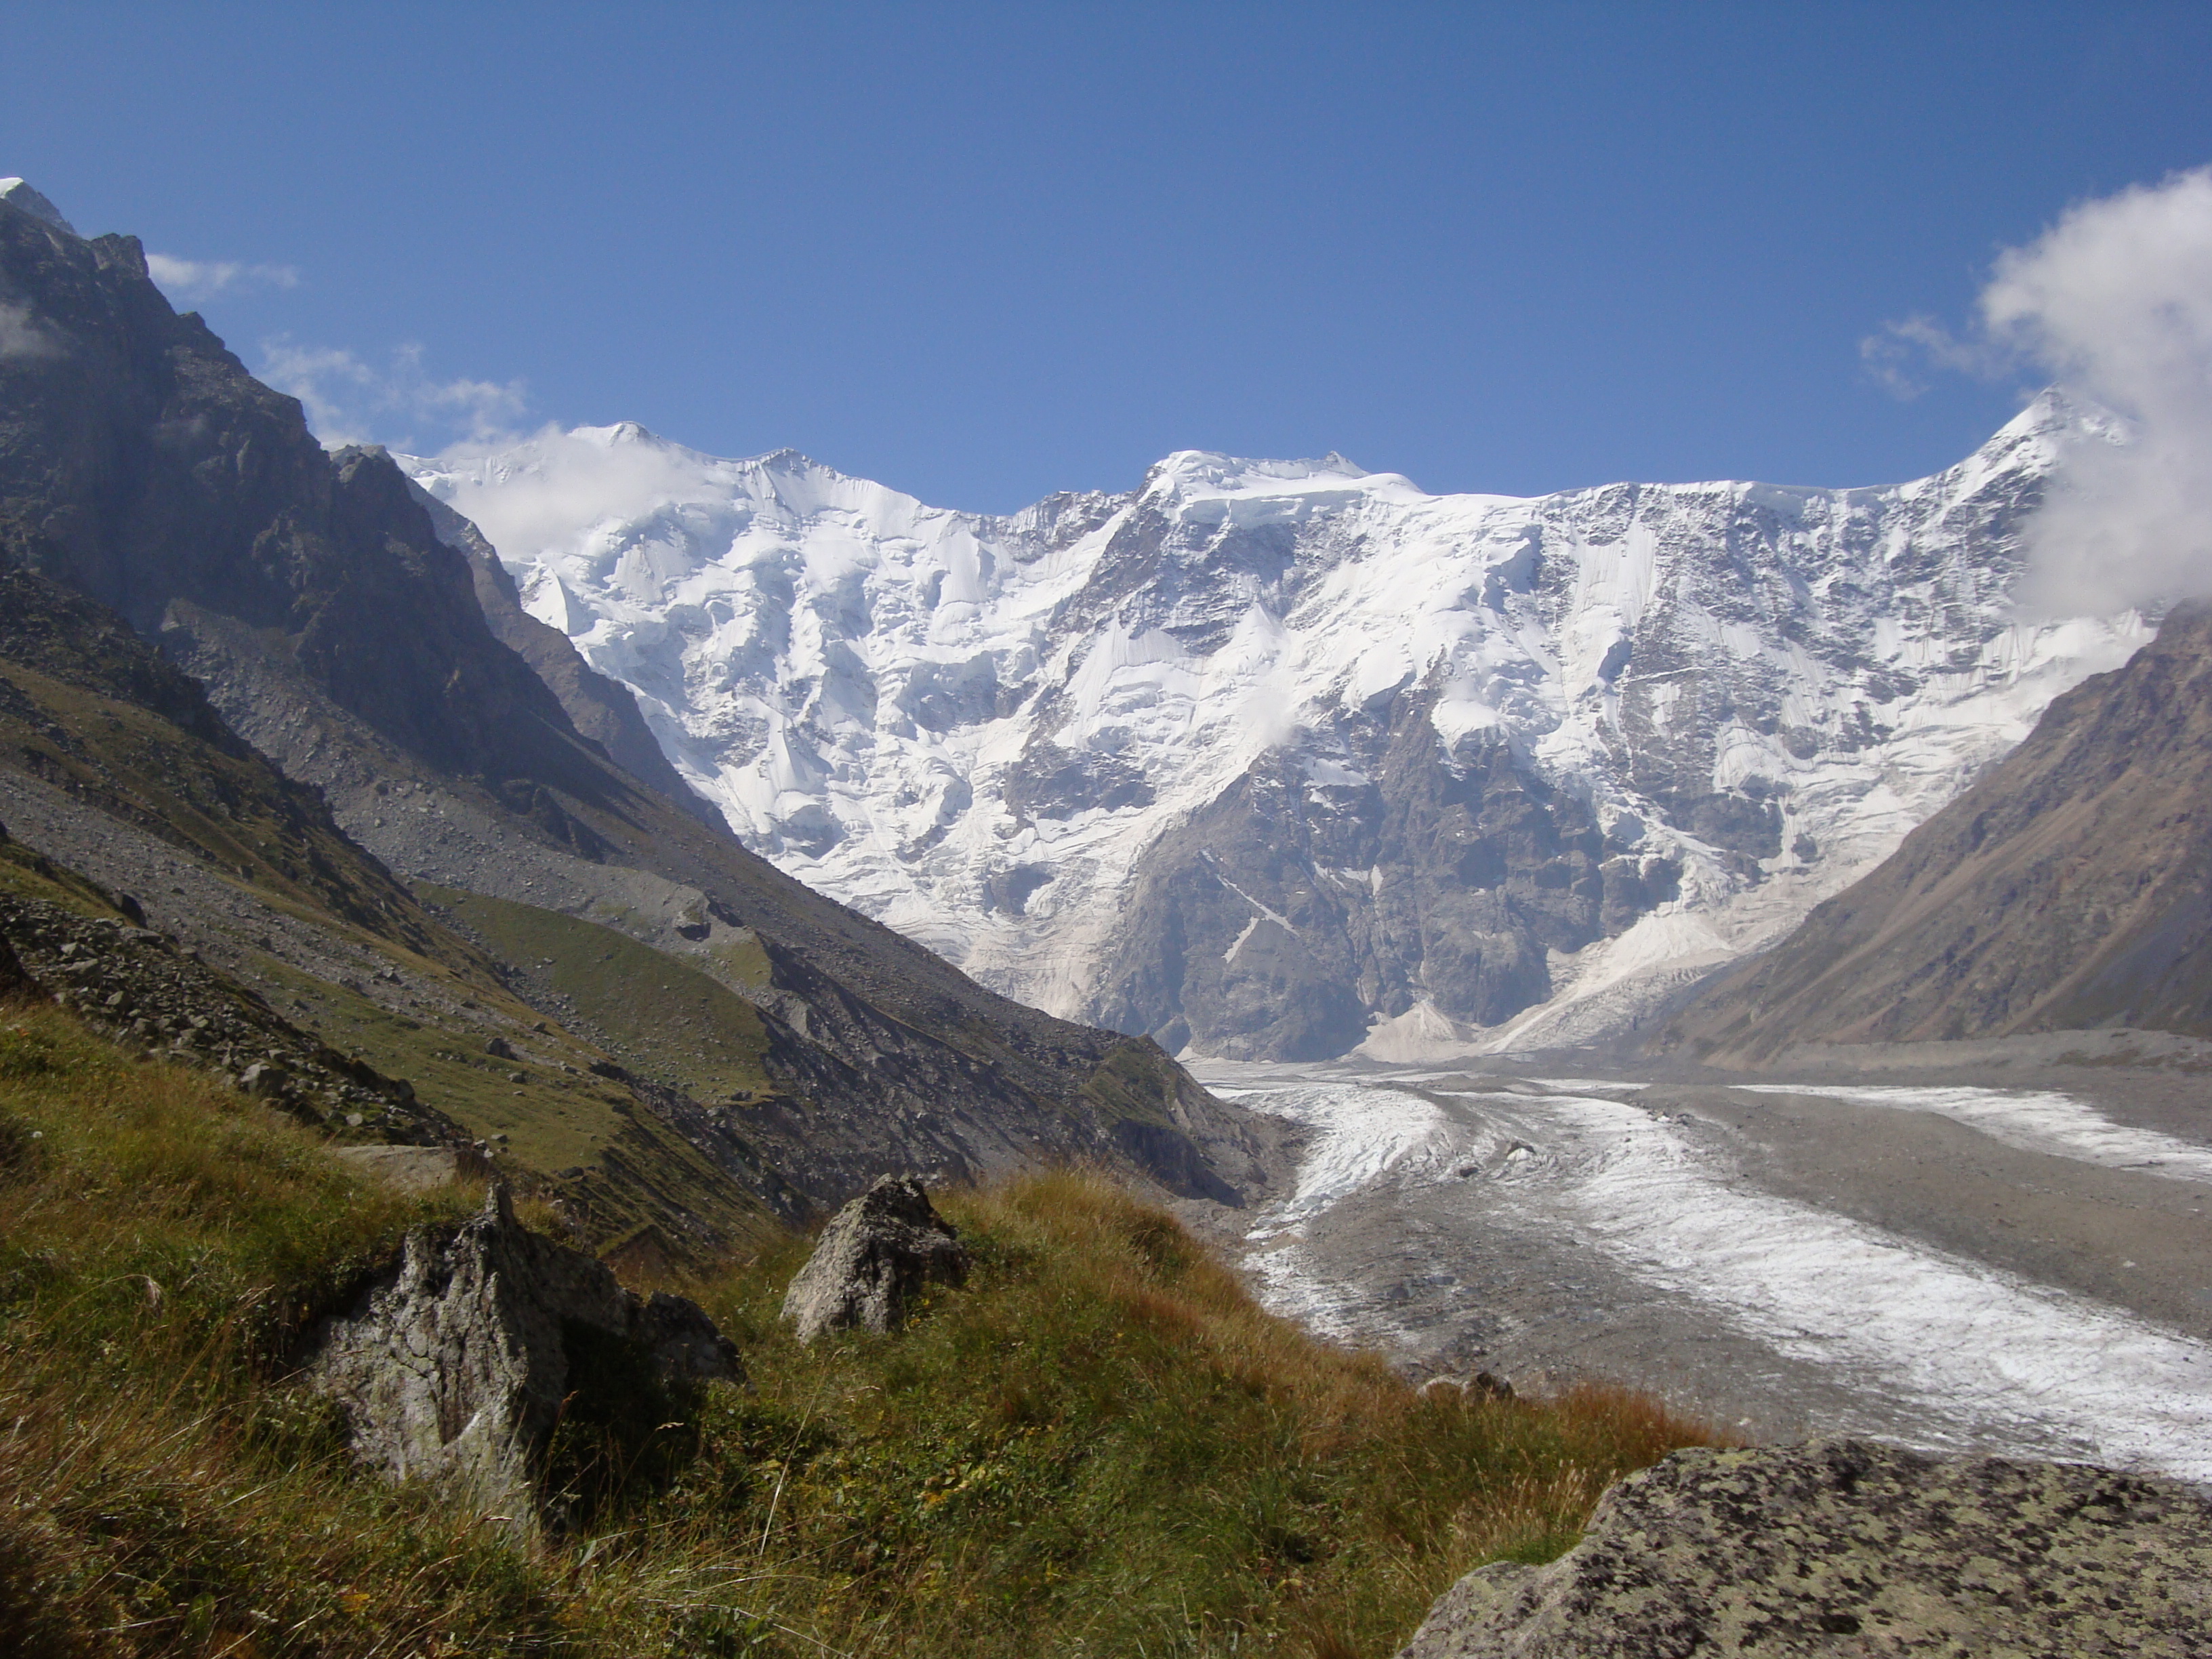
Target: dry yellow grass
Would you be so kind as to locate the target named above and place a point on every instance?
(1099, 1445)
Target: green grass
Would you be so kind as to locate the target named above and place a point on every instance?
(1101, 1445)
(666, 1019)
(1098, 1445)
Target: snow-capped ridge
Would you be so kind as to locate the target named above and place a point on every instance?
(18, 193)
(1574, 746)
(1204, 472)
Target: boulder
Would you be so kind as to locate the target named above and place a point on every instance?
(1847, 1547)
(458, 1364)
(875, 1255)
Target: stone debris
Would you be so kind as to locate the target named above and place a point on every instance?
(1847, 1547)
(456, 1365)
(875, 1257)
(134, 986)
(416, 1168)
(1483, 1385)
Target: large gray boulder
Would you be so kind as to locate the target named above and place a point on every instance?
(457, 1365)
(875, 1257)
(1846, 1548)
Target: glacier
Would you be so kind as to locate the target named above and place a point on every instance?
(1283, 760)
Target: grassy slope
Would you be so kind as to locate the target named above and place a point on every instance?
(234, 811)
(227, 805)
(667, 1019)
(1097, 1446)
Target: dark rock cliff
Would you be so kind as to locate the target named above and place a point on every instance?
(1280, 918)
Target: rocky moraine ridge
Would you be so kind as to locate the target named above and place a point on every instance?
(141, 988)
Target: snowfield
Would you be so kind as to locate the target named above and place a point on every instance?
(984, 730)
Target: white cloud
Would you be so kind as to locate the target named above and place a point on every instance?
(23, 338)
(1898, 355)
(2112, 305)
(545, 495)
(350, 401)
(203, 279)
(2115, 301)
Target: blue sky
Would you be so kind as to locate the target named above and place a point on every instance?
(982, 253)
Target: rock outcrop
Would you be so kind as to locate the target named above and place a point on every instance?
(875, 1257)
(459, 1365)
(135, 986)
(1847, 1547)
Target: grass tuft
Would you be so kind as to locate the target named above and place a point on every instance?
(1098, 1445)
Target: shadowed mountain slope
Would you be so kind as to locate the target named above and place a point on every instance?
(2070, 887)
(338, 634)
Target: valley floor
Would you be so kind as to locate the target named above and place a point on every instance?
(2024, 1268)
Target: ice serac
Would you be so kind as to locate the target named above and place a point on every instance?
(1278, 759)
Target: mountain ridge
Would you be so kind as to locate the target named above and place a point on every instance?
(1036, 741)
(340, 636)
(2069, 888)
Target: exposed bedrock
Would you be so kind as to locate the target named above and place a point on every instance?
(875, 1257)
(458, 1364)
(1847, 1547)
(1304, 900)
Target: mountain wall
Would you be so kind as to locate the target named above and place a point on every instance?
(2070, 887)
(336, 632)
(1281, 759)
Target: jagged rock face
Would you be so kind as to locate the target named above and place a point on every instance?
(1269, 752)
(1846, 1548)
(140, 463)
(457, 1366)
(2070, 887)
(875, 1257)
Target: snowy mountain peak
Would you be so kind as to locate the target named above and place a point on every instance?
(17, 193)
(1190, 473)
(1275, 758)
(622, 432)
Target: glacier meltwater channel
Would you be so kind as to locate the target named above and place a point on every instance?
(2004, 1363)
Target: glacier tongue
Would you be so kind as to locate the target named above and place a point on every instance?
(1274, 758)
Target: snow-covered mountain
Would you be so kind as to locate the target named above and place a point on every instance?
(1276, 758)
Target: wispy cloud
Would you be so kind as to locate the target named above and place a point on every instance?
(2115, 301)
(1900, 357)
(203, 279)
(545, 495)
(350, 401)
(23, 336)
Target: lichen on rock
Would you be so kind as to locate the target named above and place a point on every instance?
(1849, 1547)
